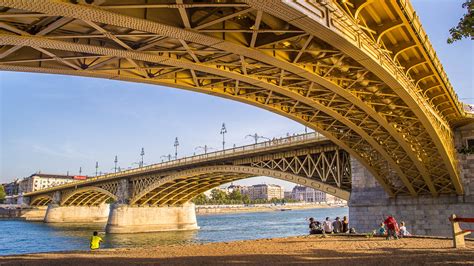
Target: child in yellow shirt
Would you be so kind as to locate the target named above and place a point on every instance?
(95, 241)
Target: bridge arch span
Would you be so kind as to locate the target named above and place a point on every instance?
(41, 200)
(183, 186)
(87, 196)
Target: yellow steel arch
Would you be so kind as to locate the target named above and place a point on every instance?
(183, 186)
(322, 68)
(87, 196)
(42, 200)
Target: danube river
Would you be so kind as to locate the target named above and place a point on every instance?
(19, 237)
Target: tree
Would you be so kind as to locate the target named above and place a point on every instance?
(235, 195)
(246, 199)
(2, 194)
(200, 199)
(218, 195)
(464, 29)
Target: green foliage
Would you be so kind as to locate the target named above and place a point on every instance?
(464, 29)
(2, 194)
(219, 197)
(200, 199)
(235, 195)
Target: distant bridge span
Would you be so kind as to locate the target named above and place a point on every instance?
(309, 160)
(363, 74)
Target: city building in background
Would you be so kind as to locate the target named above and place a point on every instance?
(12, 188)
(307, 194)
(266, 192)
(38, 181)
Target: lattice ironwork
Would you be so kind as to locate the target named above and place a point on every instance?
(332, 167)
(327, 64)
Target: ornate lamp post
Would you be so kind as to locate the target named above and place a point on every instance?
(205, 148)
(176, 144)
(115, 163)
(256, 137)
(223, 132)
(142, 153)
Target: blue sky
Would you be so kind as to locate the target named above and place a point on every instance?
(58, 123)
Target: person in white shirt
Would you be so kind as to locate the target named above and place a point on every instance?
(327, 226)
(403, 230)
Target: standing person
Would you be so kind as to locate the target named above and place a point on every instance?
(95, 241)
(392, 227)
(327, 226)
(337, 225)
(345, 224)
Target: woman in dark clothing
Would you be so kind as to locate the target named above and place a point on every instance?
(345, 225)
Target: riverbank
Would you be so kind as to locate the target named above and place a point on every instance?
(29, 214)
(224, 209)
(308, 250)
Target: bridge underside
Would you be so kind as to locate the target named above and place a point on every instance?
(364, 87)
(41, 201)
(180, 188)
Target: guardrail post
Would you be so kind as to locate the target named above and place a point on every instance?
(458, 234)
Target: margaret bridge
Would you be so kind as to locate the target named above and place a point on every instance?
(361, 73)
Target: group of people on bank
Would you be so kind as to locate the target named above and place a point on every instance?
(330, 227)
(390, 229)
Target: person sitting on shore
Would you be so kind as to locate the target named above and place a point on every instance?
(327, 226)
(403, 230)
(337, 225)
(392, 227)
(345, 225)
(314, 226)
(381, 231)
(95, 241)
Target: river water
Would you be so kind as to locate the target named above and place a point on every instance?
(17, 237)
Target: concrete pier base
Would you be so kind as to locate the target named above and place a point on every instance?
(34, 214)
(77, 214)
(129, 219)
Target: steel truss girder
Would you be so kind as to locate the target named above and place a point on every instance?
(181, 187)
(365, 129)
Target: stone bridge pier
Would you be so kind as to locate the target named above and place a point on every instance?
(423, 215)
(58, 213)
(124, 218)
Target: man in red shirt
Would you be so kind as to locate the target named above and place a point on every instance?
(392, 227)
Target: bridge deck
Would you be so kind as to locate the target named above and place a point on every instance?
(284, 144)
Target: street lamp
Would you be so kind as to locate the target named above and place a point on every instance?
(176, 144)
(142, 153)
(223, 131)
(256, 137)
(96, 168)
(166, 157)
(115, 163)
(205, 148)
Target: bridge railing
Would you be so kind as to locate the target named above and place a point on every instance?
(270, 144)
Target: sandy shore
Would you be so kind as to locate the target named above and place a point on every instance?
(305, 250)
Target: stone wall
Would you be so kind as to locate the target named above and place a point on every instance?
(424, 215)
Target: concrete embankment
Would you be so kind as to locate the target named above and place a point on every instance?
(29, 214)
(216, 209)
